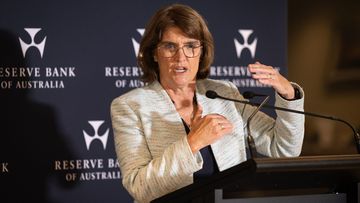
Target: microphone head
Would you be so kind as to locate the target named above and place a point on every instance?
(211, 94)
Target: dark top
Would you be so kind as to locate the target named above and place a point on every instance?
(209, 166)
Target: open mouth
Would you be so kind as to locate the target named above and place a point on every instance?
(180, 69)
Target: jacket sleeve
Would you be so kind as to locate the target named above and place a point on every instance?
(146, 177)
(280, 137)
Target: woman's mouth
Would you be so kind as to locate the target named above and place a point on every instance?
(180, 69)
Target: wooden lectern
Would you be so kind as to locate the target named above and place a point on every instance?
(263, 177)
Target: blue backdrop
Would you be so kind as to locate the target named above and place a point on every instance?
(62, 63)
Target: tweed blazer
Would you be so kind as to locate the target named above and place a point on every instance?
(150, 139)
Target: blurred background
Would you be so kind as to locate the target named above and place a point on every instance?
(324, 57)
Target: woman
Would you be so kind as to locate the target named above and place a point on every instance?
(168, 132)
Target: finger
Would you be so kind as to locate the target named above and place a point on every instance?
(265, 76)
(215, 116)
(215, 119)
(262, 70)
(225, 126)
(256, 65)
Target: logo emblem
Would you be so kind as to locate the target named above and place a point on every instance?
(251, 46)
(103, 138)
(32, 32)
(135, 43)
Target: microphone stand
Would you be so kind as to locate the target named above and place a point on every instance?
(250, 139)
(212, 94)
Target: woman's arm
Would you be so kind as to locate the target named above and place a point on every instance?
(144, 176)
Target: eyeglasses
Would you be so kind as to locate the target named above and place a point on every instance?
(169, 49)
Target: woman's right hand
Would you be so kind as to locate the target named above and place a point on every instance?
(206, 130)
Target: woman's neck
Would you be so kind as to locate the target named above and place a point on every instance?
(184, 100)
(180, 95)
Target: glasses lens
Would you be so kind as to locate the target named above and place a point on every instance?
(188, 51)
(169, 49)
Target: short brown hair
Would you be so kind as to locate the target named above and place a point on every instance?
(190, 22)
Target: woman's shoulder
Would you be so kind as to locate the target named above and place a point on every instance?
(215, 82)
(217, 85)
(138, 94)
(133, 94)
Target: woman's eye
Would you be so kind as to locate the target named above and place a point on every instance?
(170, 46)
(189, 46)
(192, 45)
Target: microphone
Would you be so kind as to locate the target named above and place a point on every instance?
(250, 139)
(214, 95)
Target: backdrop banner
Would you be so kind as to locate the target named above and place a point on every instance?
(63, 62)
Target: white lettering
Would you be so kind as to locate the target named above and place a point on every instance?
(87, 176)
(70, 177)
(248, 82)
(113, 163)
(79, 164)
(4, 168)
(6, 84)
(136, 83)
(60, 72)
(52, 84)
(20, 72)
(230, 71)
(120, 83)
(123, 71)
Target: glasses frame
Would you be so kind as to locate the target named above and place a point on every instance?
(161, 45)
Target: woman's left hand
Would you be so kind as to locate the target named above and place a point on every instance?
(267, 75)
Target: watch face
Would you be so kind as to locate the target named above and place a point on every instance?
(297, 93)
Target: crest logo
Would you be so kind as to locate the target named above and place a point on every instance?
(246, 45)
(103, 138)
(32, 32)
(135, 43)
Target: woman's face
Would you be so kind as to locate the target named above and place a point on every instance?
(178, 57)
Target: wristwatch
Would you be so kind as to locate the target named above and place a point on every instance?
(297, 94)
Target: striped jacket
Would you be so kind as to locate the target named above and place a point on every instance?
(151, 145)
